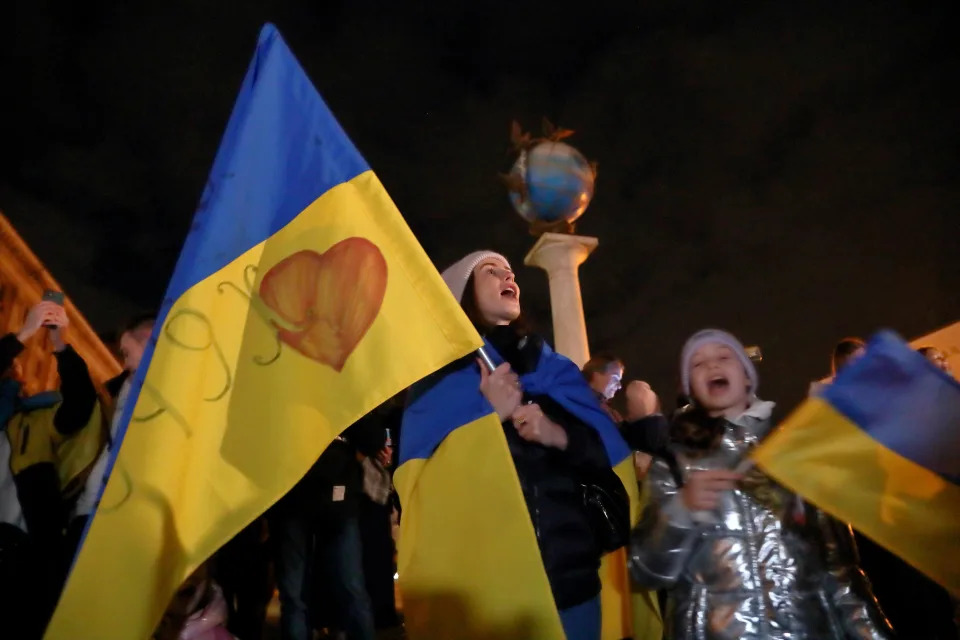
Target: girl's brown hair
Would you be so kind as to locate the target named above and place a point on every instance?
(694, 428)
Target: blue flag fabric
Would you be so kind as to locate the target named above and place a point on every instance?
(450, 399)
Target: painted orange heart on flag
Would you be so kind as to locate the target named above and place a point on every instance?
(327, 300)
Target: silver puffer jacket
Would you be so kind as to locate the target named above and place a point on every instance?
(764, 565)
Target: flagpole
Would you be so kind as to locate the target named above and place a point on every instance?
(485, 357)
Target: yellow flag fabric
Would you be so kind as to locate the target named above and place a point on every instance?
(469, 562)
(301, 301)
(627, 613)
(468, 568)
(459, 524)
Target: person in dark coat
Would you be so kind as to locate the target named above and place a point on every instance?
(316, 540)
(375, 511)
(36, 425)
(550, 447)
(645, 428)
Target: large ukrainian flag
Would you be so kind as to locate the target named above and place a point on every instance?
(880, 448)
(300, 302)
(468, 559)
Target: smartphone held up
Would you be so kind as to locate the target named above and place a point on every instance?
(55, 297)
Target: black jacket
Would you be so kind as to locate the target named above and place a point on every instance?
(76, 387)
(332, 487)
(649, 434)
(549, 481)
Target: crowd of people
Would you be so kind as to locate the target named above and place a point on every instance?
(731, 553)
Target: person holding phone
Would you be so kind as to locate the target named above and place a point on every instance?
(41, 429)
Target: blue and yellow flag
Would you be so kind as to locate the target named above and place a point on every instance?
(880, 448)
(468, 560)
(300, 302)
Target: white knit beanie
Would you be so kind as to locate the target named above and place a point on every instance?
(457, 274)
(701, 338)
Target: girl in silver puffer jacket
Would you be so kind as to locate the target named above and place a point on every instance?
(741, 556)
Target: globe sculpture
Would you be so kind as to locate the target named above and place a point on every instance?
(551, 184)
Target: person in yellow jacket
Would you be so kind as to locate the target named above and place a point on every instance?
(53, 436)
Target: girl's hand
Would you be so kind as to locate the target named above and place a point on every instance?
(703, 488)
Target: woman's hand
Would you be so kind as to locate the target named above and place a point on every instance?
(501, 388)
(58, 326)
(703, 488)
(533, 426)
(39, 315)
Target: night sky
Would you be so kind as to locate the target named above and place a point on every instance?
(788, 171)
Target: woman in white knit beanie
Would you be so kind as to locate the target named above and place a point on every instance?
(554, 427)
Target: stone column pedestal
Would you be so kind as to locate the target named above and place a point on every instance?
(560, 255)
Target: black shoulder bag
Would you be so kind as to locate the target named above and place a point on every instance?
(607, 505)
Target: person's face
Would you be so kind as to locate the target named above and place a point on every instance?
(608, 382)
(939, 359)
(718, 380)
(497, 294)
(132, 345)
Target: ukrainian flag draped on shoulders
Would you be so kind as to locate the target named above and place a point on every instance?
(469, 563)
(300, 302)
(879, 448)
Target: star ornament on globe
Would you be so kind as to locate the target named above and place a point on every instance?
(551, 183)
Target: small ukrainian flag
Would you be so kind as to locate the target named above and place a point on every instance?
(880, 448)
